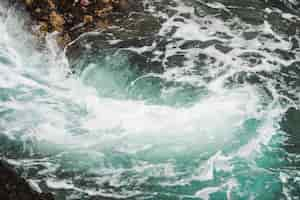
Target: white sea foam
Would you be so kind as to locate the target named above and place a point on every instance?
(57, 112)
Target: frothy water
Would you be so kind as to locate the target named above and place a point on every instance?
(206, 127)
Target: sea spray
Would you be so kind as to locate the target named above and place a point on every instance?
(94, 133)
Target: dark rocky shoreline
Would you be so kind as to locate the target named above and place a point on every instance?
(71, 18)
(122, 25)
(14, 187)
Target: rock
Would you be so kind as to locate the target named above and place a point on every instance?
(57, 21)
(123, 5)
(28, 2)
(104, 11)
(290, 124)
(87, 19)
(63, 40)
(102, 24)
(128, 31)
(14, 187)
(42, 30)
(75, 17)
(51, 4)
(85, 2)
(43, 27)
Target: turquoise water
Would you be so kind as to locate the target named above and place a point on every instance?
(216, 120)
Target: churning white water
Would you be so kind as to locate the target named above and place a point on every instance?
(74, 134)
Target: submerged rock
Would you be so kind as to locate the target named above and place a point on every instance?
(13, 187)
(134, 31)
(290, 124)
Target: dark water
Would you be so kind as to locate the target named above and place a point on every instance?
(193, 100)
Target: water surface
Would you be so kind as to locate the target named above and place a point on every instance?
(207, 111)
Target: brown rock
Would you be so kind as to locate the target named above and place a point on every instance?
(104, 11)
(43, 28)
(66, 16)
(38, 10)
(124, 5)
(57, 21)
(88, 19)
(51, 4)
(28, 2)
(102, 24)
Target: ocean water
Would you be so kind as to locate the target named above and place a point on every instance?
(207, 110)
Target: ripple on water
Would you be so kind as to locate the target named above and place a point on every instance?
(191, 112)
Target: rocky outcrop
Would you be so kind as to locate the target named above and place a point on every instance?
(14, 187)
(71, 18)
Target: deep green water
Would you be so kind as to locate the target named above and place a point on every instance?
(204, 109)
